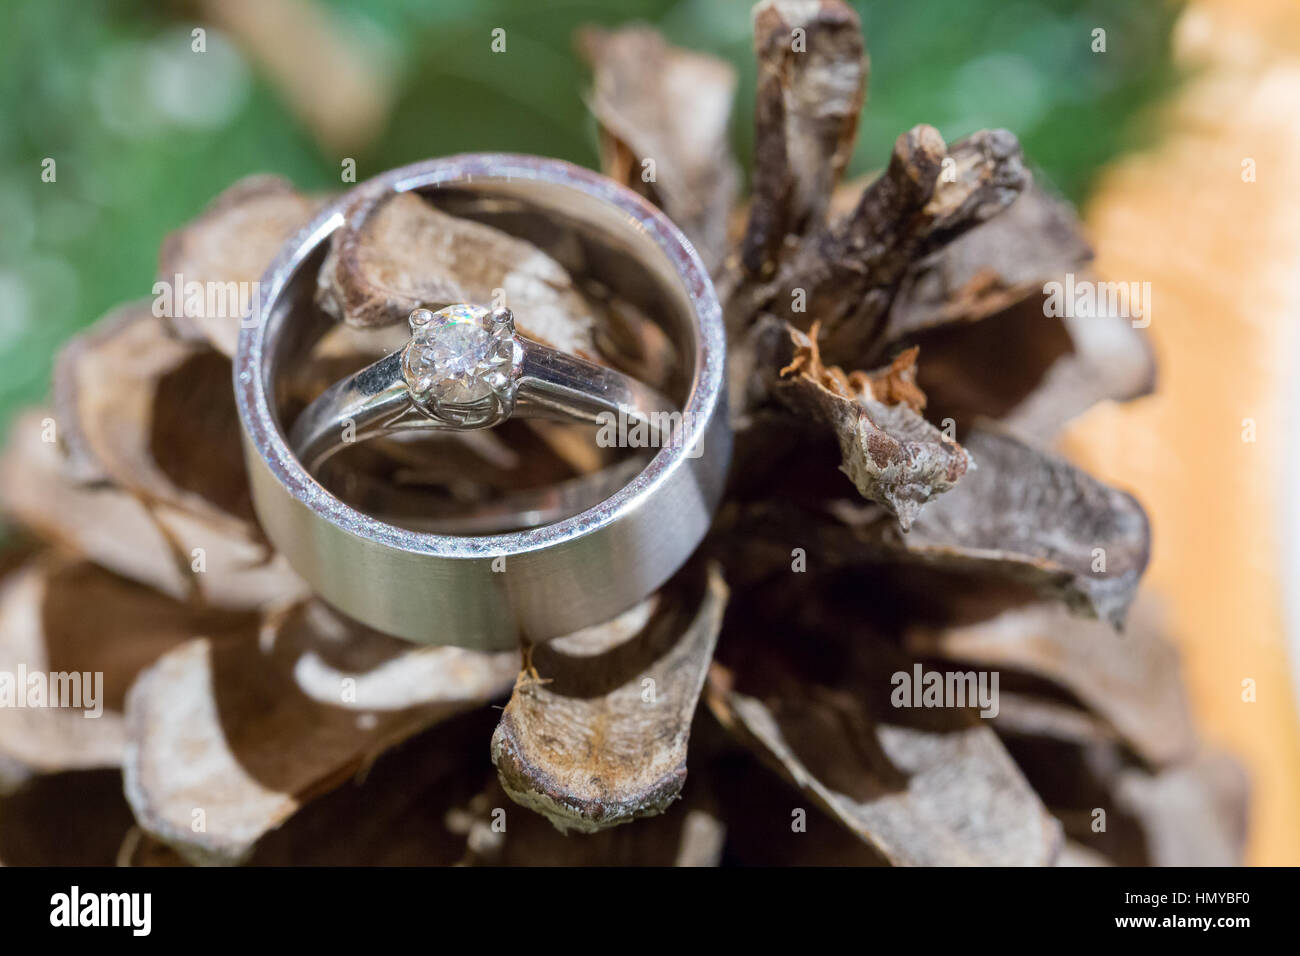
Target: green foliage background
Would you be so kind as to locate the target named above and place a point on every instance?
(145, 132)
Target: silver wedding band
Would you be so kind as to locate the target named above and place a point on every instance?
(489, 591)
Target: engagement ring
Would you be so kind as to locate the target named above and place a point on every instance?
(466, 367)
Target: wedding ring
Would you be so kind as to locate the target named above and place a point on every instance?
(488, 591)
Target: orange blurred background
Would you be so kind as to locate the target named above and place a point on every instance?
(1222, 251)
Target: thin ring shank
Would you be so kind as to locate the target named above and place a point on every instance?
(552, 384)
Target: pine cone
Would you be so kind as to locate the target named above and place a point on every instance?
(892, 515)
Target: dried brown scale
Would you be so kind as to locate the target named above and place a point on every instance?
(843, 534)
(43, 627)
(553, 798)
(1043, 521)
(396, 252)
(998, 527)
(146, 411)
(891, 385)
(1111, 361)
(1029, 715)
(988, 176)
(923, 212)
(672, 107)
(233, 241)
(150, 542)
(580, 743)
(976, 309)
(118, 361)
(846, 275)
(1149, 817)
(1047, 546)
(992, 267)
(889, 451)
(140, 410)
(253, 728)
(1139, 692)
(1074, 779)
(994, 368)
(1207, 795)
(1056, 750)
(806, 116)
(895, 384)
(922, 787)
(81, 462)
(828, 276)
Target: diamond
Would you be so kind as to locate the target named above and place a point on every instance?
(458, 355)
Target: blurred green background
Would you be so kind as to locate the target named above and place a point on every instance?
(144, 131)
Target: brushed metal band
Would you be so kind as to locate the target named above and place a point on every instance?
(486, 591)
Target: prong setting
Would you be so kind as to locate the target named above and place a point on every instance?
(462, 364)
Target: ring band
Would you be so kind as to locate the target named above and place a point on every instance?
(487, 591)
